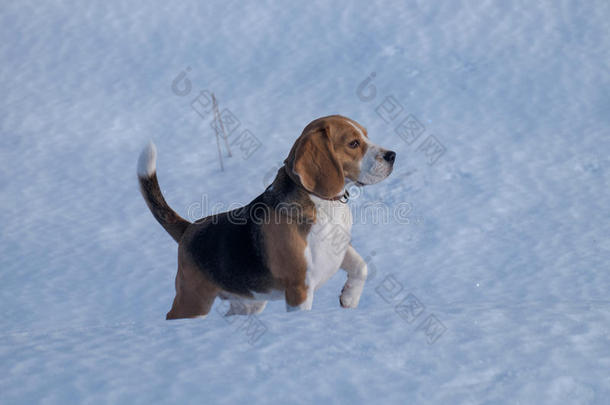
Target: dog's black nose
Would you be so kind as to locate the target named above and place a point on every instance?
(390, 156)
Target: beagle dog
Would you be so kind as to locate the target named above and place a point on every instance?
(289, 240)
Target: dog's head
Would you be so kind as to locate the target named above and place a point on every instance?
(332, 150)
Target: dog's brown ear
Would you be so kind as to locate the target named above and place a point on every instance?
(315, 163)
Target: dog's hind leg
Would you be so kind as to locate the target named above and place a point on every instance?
(195, 294)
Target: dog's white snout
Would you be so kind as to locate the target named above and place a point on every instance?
(376, 164)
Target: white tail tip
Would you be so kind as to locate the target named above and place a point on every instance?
(147, 162)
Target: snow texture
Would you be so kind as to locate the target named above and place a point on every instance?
(488, 277)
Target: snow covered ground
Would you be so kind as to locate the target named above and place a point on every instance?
(490, 276)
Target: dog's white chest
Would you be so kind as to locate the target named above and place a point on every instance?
(327, 241)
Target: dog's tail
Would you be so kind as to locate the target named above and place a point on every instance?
(173, 223)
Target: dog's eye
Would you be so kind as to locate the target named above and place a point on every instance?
(354, 144)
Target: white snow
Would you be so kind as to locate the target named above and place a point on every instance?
(497, 253)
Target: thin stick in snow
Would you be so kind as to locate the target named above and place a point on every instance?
(222, 169)
(222, 127)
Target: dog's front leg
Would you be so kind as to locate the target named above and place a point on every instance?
(356, 269)
(299, 297)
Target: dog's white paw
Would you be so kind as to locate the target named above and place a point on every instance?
(350, 294)
(246, 307)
